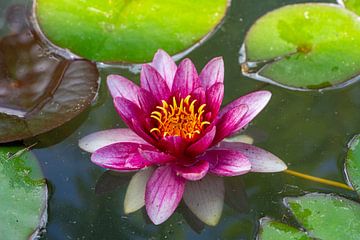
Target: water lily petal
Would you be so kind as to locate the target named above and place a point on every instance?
(199, 95)
(97, 140)
(164, 191)
(212, 73)
(186, 79)
(134, 118)
(230, 122)
(173, 144)
(156, 157)
(260, 159)
(135, 192)
(203, 143)
(165, 65)
(214, 98)
(128, 111)
(205, 198)
(240, 138)
(225, 162)
(122, 87)
(152, 81)
(255, 101)
(147, 101)
(194, 172)
(122, 156)
(141, 131)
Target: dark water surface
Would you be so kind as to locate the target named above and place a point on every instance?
(308, 130)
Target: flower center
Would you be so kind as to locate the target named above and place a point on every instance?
(179, 118)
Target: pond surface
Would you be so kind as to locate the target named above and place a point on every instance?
(307, 130)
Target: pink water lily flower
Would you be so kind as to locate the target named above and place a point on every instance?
(175, 136)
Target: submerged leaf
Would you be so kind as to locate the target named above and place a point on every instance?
(304, 46)
(127, 31)
(23, 195)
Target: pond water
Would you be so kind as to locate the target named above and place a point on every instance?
(307, 130)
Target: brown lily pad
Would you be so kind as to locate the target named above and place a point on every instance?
(40, 90)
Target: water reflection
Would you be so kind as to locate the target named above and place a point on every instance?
(235, 196)
(110, 181)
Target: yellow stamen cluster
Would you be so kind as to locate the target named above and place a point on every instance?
(179, 118)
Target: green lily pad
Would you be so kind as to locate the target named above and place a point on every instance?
(326, 216)
(273, 230)
(127, 31)
(352, 163)
(304, 46)
(23, 201)
(353, 5)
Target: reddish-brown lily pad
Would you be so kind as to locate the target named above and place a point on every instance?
(40, 90)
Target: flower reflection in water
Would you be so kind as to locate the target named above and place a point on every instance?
(235, 196)
(176, 138)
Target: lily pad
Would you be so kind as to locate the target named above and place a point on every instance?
(327, 216)
(322, 216)
(127, 31)
(304, 46)
(23, 201)
(40, 90)
(352, 163)
(273, 230)
(353, 5)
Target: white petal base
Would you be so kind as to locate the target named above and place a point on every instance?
(205, 198)
(97, 140)
(135, 193)
(240, 138)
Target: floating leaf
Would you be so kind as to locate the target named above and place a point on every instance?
(23, 195)
(323, 216)
(127, 31)
(304, 46)
(273, 230)
(353, 5)
(352, 163)
(39, 90)
(327, 216)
